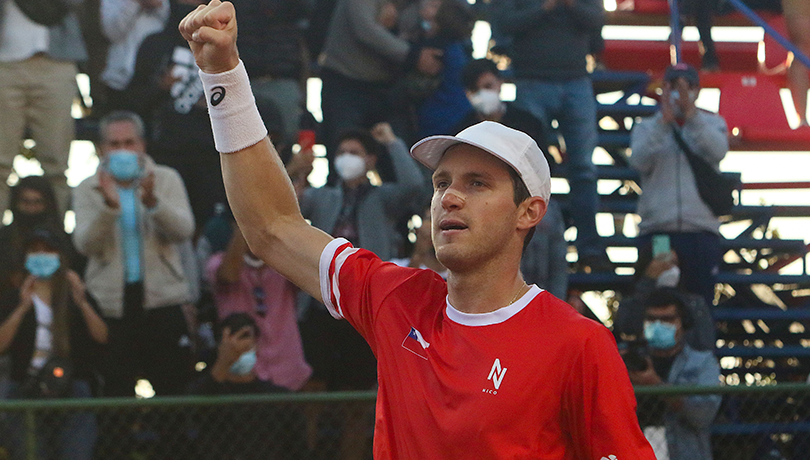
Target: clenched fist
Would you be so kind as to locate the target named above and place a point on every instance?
(211, 33)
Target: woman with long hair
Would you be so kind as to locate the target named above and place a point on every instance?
(52, 333)
(32, 203)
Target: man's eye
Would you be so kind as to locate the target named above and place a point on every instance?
(440, 185)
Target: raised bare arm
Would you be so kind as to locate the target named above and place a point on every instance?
(259, 191)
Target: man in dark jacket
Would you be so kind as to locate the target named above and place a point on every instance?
(551, 39)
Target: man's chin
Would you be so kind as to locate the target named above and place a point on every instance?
(452, 259)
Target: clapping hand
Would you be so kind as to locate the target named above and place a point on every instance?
(77, 289)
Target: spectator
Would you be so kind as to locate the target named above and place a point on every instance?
(33, 205)
(169, 98)
(275, 432)
(362, 213)
(360, 61)
(663, 272)
(482, 84)
(671, 361)
(551, 39)
(51, 324)
(130, 216)
(37, 87)
(543, 262)
(126, 23)
(243, 284)
(702, 11)
(439, 100)
(271, 44)
(670, 204)
(797, 18)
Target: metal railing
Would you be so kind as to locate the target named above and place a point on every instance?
(675, 38)
(751, 423)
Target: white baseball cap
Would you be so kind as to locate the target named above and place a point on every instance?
(514, 147)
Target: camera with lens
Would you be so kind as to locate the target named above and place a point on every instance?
(634, 353)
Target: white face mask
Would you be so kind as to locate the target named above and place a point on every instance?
(486, 102)
(252, 261)
(350, 166)
(669, 278)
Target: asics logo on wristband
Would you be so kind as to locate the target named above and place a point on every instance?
(217, 95)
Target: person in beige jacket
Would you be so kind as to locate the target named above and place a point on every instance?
(130, 217)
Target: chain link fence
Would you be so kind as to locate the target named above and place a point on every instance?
(317, 426)
(752, 423)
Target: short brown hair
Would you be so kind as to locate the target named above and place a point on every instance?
(521, 194)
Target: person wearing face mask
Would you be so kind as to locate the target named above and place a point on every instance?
(51, 320)
(234, 372)
(243, 284)
(671, 361)
(33, 205)
(482, 83)
(131, 217)
(363, 213)
(670, 204)
(544, 260)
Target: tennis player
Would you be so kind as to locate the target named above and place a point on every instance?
(481, 366)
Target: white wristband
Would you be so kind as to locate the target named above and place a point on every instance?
(235, 119)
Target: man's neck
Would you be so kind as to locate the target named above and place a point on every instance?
(485, 290)
(355, 183)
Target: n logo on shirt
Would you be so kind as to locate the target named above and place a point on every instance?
(496, 373)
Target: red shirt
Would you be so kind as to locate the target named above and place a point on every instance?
(533, 380)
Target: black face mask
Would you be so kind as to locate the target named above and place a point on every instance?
(29, 220)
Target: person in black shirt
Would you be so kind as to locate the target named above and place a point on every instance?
(244, 431)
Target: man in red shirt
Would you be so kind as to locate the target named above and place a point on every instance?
(481, 365)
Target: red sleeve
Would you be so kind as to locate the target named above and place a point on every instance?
(600, 406)
(354, 283)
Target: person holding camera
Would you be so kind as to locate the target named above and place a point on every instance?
(670, 204)
(52, 333)
(668, 360)
(234, 372)
(130, 218)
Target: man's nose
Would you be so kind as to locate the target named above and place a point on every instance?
(452, 198)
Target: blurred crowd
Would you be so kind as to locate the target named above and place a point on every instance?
(157, 278)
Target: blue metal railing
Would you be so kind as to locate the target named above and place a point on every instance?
(675, 38)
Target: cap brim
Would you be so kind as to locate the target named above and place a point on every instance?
(430, 150)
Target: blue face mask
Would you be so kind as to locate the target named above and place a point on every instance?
(660, 335)
(42, 264)
(244, 364)
(124, 165)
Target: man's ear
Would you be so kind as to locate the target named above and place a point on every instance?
(531, 212)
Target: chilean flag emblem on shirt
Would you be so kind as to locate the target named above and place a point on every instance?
(416, 344)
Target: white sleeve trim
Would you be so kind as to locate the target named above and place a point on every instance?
(328, 285)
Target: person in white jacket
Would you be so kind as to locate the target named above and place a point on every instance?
(131, 217)
(670, 205)
(126, 23)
